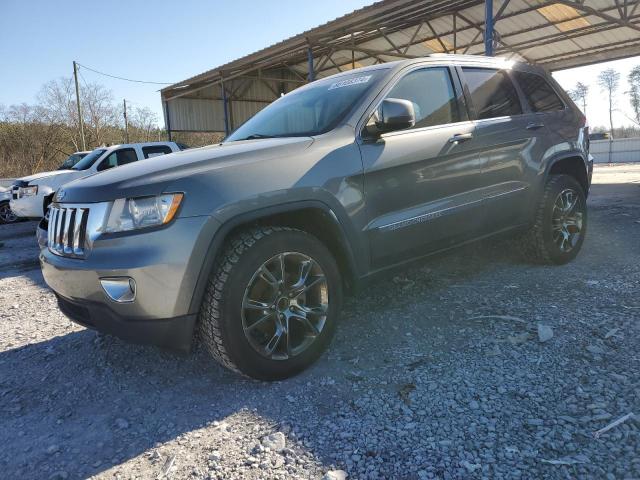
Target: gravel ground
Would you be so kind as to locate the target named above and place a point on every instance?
(436, 372)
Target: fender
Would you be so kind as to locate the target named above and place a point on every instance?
(355, 264)
(587, 164)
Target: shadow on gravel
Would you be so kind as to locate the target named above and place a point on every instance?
(83, 403)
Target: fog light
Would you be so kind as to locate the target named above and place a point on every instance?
(119, 289)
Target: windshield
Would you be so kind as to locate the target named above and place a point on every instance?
(72, 160)
(87, 161)
(309, 111)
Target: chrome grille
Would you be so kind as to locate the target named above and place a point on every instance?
(67, 231)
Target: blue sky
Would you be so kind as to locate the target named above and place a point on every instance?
(168, 41)
(159, 40)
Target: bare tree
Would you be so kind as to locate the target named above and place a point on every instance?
(634, 82)
(146, 121)
(28, 141)
(579, 95)
(609, 80)
(99, 111)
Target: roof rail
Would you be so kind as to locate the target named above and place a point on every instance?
(475, 58)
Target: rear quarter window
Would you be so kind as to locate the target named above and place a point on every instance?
(155, 151)
(539, 93)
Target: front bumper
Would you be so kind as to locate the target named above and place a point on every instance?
(27, 207)
(175, 333)
(165, 264)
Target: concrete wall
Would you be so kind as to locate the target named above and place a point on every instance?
(619, 150)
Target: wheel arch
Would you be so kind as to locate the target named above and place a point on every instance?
(313, 217)
(573, 165)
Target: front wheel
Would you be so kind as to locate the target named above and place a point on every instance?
(560, 222)
(272, 303)
(6, 215)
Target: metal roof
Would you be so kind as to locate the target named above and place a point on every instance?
(555, 34)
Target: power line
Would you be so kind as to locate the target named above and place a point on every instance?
(123, 78)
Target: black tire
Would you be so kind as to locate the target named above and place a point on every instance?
(6, 216)
(221, 315)
(538, 243)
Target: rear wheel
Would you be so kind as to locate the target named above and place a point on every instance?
(560, 222)
(272, 302)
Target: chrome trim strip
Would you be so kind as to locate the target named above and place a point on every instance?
(501, 194)
(424, 217)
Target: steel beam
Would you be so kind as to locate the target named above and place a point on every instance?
(168, 121)
(488, 28)
(311, 74)
(225, 107)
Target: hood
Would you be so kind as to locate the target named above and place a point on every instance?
(42, 175)
(153, 175)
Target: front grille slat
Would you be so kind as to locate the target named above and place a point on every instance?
(77, 228)
(60, 230)
(66, 232)
(53, 213)
(67, 235)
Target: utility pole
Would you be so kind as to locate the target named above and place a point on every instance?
(126, 123)
(80, 122)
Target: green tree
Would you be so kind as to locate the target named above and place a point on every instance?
(634, 82)
(579, 95)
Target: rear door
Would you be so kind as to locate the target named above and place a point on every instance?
(422, 184)
(506, 140)
(118, 157)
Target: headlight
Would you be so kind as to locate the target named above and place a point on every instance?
(29, 191)
(135, 213)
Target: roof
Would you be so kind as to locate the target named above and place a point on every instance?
(555, 34)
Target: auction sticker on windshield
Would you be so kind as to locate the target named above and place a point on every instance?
(351, 81)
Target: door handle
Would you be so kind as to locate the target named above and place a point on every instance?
(535, 126)
(461, 137)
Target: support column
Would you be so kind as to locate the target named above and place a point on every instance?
(311, 76)
(225, 106)
(168, 121)
(488, 28)
(455, 33)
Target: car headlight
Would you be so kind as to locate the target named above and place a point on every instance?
(29, 191)
(142, 212)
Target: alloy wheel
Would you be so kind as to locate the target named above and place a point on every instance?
(284, 308)
(6, 215)
(567, 219)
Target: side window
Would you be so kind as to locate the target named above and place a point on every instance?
(118, 158)
(540, 95)
(155, 151)
(492, 92)
(432, 94)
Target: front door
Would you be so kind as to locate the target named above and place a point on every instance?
(422, 185)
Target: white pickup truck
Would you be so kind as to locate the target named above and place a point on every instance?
(31, 195)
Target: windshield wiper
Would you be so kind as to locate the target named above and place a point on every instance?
(256, 136)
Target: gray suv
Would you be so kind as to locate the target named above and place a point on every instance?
(252, 242)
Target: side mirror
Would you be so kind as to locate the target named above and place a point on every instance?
(392, 114)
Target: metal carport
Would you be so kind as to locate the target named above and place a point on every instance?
(555, 34)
